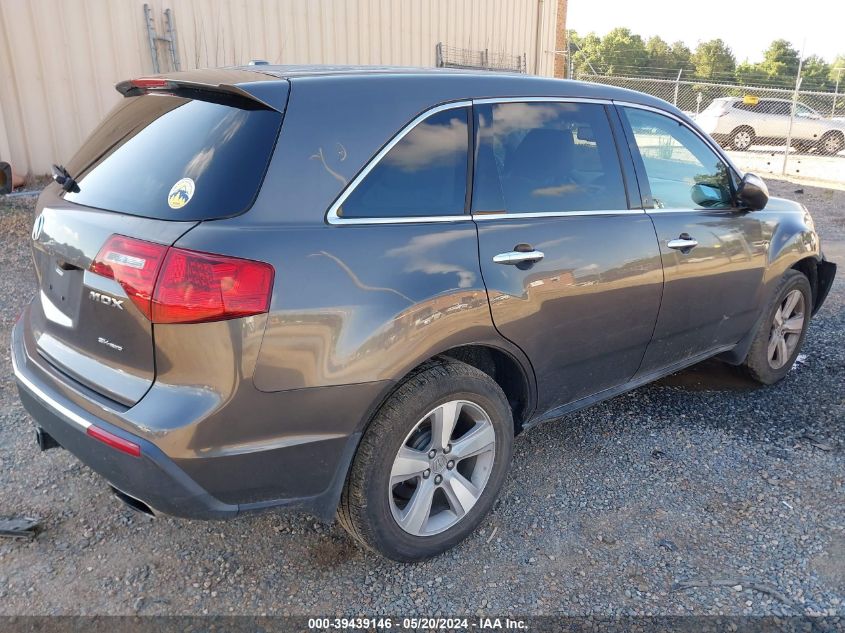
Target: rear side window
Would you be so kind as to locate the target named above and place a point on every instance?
(424, 174)
(173, 158)
(546, 157)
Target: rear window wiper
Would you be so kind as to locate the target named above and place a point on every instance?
(61, 176)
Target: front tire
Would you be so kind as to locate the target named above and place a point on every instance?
(431, 463)
(782, 331)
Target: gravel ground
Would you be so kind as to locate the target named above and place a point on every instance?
(702, 477)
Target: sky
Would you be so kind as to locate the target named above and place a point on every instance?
(747, 26)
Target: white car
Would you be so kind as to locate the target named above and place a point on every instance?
(739, 123)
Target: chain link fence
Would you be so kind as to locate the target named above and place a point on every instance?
(454, 57)
(765, 129)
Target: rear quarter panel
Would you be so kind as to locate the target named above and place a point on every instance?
(355, 304)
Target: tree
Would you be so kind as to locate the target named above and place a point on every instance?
(780, 62)
(815, 74)
(659, 54)
(750, 74)
(681, 56)
(839, 62)
(714, 60)
(622, 52)
(586, 56)
(665, 60)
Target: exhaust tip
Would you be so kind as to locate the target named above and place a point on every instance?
(132, 502)
(45, 440)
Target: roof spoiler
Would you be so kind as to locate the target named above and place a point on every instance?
(209, 92)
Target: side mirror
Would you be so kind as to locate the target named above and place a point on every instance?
(5, 178)
(752, 193)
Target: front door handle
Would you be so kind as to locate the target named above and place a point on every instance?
(684, 243)
(518, 257)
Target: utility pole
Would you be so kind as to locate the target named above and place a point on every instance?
(677, 86)
(593, 70)
(836, 91)
(792, 110)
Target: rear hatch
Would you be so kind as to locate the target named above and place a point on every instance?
(169, 156)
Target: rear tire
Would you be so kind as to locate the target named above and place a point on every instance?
(782, 331)
(410, 493)
(831, 143)
(741, 138)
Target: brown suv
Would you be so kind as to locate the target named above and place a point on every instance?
(348, 289)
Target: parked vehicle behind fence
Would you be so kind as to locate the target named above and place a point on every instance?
(346, 290)
(738, 123)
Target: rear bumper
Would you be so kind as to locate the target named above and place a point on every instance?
(153, 477)
(302, 473)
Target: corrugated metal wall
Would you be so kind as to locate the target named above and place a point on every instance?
(59, 59)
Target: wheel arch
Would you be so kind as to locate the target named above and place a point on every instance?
(508, 368)
(809, 267)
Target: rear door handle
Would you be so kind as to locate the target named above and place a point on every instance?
(518, 257)
(684, 243)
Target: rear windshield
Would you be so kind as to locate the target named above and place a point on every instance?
(173, 158)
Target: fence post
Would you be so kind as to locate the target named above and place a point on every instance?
(836, 90)
(677, 86)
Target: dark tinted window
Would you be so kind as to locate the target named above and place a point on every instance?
(546, 157)
(751, 107)
(683, 171)
(424, 174)
(135, 158)
(781, 108)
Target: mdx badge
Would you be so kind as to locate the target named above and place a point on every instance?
(106, 300)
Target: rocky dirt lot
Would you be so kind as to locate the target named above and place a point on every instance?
(702, 479)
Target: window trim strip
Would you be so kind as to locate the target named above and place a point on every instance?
(333, 218)
(482, 217)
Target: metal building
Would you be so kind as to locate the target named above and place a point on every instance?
(59, 59)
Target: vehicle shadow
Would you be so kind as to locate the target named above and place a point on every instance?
(710, 375)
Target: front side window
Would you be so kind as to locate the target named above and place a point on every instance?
(546, 157)
(802, 110)
(683, 171)
(424, 174)
(778, 108)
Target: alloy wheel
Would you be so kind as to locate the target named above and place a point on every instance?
(787, 326)
(742, 139)
(442, 468)
(832, 144)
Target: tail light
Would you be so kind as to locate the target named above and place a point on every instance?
(150, 83)
(174, 285)
(125, 446)
(134, 265)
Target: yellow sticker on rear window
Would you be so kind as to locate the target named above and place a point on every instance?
(750, 100)
(180, 193)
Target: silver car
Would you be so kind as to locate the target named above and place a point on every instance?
(738, 123)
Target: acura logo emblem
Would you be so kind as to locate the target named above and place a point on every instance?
(38, 227)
